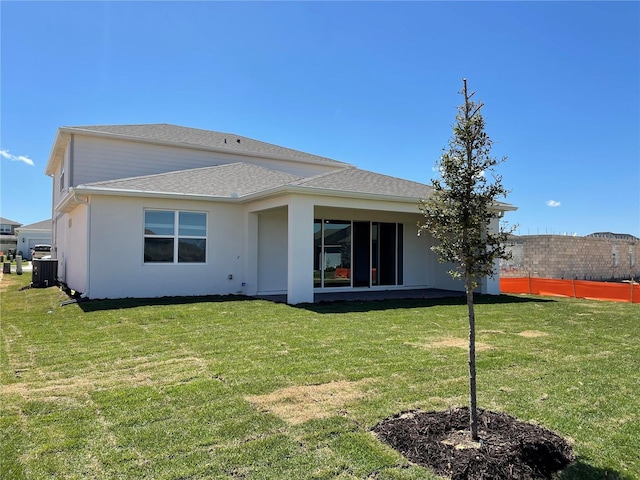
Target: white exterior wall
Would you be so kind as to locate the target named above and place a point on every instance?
(59, 241)
(117, 244)
(116, 269)
(272, 252)
(72, 252)
(97, 159)
(439, 276)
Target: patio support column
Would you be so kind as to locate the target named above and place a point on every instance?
(300, 251)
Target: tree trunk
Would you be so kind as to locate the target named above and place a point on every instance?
(473, 403)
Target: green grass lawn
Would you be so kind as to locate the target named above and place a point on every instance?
(234, 388)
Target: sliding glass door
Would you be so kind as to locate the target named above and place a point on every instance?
(357, 254)
(332, 258)
(386, 253)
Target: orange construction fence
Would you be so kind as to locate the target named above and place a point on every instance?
(616, 292)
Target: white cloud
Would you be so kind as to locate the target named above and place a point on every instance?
(16, 158)
(552, 203)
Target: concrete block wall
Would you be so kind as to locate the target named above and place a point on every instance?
(582, 258)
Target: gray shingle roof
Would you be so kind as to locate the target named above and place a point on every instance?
(229, 180)
(367, 182)
(6, 221)
(242, 179)
(43, 225)
(195, 137)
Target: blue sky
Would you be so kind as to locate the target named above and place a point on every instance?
(374, 84)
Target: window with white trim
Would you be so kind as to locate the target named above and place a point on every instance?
(175, 236)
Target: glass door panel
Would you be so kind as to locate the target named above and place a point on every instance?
(387, 254)
(361, 254)
(317, 253)
(337, 253)
(375, 253)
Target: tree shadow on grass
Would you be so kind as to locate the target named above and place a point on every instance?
(351, 306)
(580, 470)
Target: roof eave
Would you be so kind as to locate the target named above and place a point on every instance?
(280, 190)
(57, 151)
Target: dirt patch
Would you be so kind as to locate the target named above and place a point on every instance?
(299, 404)
(53, 386)
(462, 343)
(508, 448)
(5, 282)
(532, 334)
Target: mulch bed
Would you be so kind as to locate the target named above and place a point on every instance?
(508, 449)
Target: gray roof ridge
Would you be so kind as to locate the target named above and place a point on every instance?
(104, 130)
(92, 128)
(303, 180)
(352, 168)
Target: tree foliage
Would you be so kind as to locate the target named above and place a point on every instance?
(463, 210)
(464, 202)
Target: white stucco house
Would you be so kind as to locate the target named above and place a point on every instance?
(163, 210)
(29, 236)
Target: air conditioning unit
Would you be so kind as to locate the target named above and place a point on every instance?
(44, 273)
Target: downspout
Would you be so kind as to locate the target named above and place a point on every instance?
(88, 237)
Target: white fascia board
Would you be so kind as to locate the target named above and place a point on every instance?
(323, 192)
(59, 146)
(86, 190)
(503, 207)
(191, 146)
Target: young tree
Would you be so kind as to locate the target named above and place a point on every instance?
(461, 211)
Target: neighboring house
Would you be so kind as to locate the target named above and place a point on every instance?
(31, 235)
(8, 239)
(599, 256)
(160, 210)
